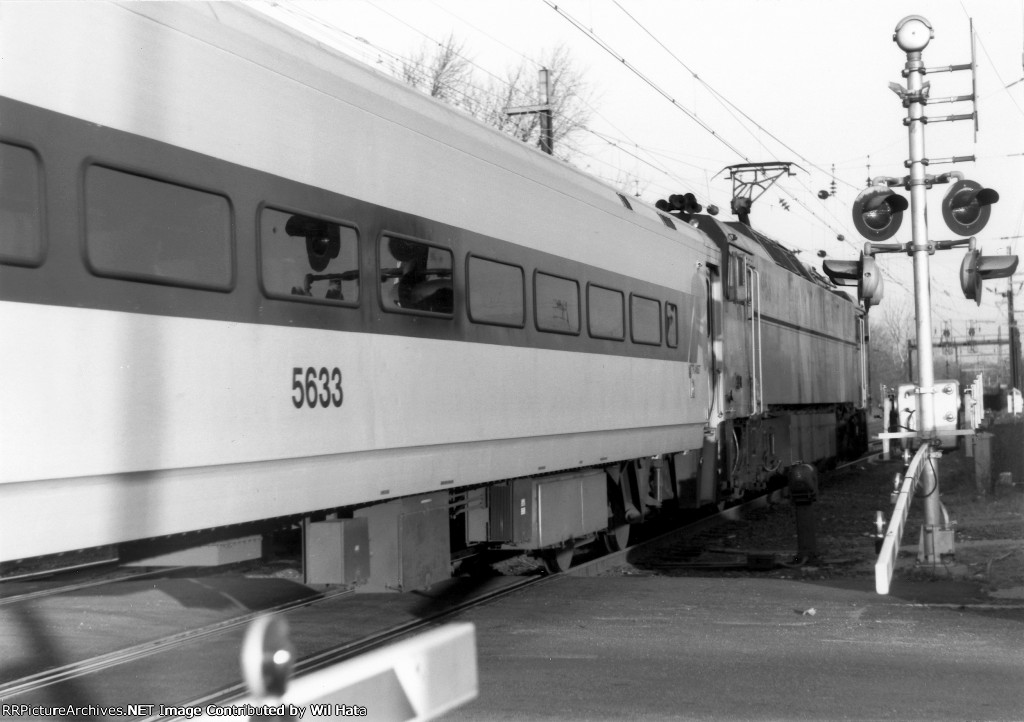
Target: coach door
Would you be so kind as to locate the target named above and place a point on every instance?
(716, 401)
(753, 278)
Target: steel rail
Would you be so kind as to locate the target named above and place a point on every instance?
(41, 593)
(593, 567)
(118, 657)
(27, 576)
(349, 650)
(333, 655)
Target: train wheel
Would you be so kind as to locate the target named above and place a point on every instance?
(557, 561)
(616, 538)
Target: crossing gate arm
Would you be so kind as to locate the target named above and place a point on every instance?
(894, 533)
(419, 678)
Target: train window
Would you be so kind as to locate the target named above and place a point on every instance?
(21, 207)
(556, 303)
(496, 292)
(415, 277)
(305, 257)
(667, 221)
(671, 325)
(644, 320)
(149, 230)
(605, 313)
(736, 288)
(625, 201)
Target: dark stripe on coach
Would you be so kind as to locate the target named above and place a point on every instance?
(63, 270)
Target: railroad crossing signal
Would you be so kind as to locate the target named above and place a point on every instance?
(967, 207)
(977, 268)
(862, 273)
(878, 212)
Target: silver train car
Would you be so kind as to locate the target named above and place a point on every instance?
(244, 278)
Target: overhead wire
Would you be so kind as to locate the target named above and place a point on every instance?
(636, 71)
(497, 78)
(1002, 83)
(397, 59)
(725, 102)
(590, 107)
(398, 64)
(722, 101)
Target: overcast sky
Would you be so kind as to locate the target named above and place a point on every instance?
(812, 76)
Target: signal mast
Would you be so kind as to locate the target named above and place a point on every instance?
(877, 214)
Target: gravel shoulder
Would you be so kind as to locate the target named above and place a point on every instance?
(989, 540)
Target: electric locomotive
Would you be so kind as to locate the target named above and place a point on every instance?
(247, 282)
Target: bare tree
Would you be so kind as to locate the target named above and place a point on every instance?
(898, 327)
(891, 330)
(445, 72)
(571, 99)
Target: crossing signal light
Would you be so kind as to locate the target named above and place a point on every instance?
(967, 207)
(878, 212)
(862, 273)
(977, 268)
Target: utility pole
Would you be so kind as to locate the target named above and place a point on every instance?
(1014, 337)
(543, 110)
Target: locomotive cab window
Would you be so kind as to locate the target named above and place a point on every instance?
(415, 277)
(496, 292)
(149, 230)
(737, 280)
(308, 258)
(556, 303)
(606, 313)
(21, 208)
(644, 320)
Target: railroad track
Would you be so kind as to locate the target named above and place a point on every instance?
(119, 657)
(78, 586)
(339, 652)
(592, 567)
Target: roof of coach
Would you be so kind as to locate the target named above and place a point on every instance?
(412, 106)
(414, 102)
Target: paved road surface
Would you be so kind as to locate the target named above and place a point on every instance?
(640, 647)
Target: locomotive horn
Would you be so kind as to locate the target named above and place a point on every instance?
(686, 203)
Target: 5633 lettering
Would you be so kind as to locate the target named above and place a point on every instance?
(312, 387)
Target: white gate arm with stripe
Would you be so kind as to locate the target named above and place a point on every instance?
(419, 678)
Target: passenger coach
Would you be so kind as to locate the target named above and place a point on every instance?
(247, 283)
